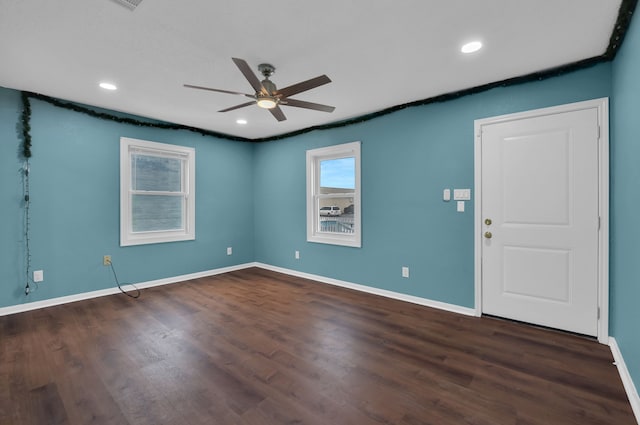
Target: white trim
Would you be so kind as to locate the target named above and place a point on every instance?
(370, 290)
(629, 387)
(603, 245)
(20, 308)
(602, 105)
(477, 216)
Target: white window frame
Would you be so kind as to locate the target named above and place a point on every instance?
(130, 146)
(314, 157)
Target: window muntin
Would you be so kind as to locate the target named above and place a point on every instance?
(157, 192)
(333, 195)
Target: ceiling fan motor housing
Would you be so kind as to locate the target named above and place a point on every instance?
(269, 86)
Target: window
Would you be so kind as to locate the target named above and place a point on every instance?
(333, 195)
(157, 192)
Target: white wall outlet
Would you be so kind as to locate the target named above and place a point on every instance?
(38, 275)
(229, 250)
(460, 206)
(297, 255)
(405, 271)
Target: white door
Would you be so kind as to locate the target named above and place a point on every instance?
(539, 219)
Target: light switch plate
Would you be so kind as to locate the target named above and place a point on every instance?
(460, 206)
(462, 194)
(446, 195)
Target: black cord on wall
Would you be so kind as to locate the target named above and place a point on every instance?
(115, 276)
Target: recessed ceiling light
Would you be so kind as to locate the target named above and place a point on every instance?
(241, 121)
(471, 47)
(108, 86)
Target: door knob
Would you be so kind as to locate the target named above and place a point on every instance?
(487, 235)
(487, 221)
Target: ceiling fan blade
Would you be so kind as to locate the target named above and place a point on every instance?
(303, 86)
(277, 113)
(217, 90)
(307, 105)
(242, 105)
(244, 67)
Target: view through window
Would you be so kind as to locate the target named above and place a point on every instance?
(158, 201)
(336, 195)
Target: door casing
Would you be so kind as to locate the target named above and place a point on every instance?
(602, 106)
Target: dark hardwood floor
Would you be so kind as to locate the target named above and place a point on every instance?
(257, 347)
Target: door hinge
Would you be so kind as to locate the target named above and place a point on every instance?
(598, 132)
(599, 222)
(598, 313)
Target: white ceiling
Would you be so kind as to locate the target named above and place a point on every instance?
(379, 53)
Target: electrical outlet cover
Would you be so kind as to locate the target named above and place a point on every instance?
(38, 276)
(405, 272)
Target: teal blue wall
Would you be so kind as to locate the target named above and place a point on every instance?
(75, 204)
(408, 158)
(625, 201)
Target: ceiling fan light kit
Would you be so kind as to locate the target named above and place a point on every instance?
(267, 95)
(267, 102)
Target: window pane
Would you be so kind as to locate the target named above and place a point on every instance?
(336, 215)
(156, 212)
(336, 225)
(156, 173)
(338, 174)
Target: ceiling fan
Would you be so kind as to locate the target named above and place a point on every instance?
(267, 96)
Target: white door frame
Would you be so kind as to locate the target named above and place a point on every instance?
(602, 105)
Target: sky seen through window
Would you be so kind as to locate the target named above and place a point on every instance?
(338, 173)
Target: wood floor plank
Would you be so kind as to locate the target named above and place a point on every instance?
(47, 406)
(257, 347)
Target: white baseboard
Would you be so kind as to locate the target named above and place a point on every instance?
(19, 308)
(382, 292)
(629, 386)
(4, 311)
